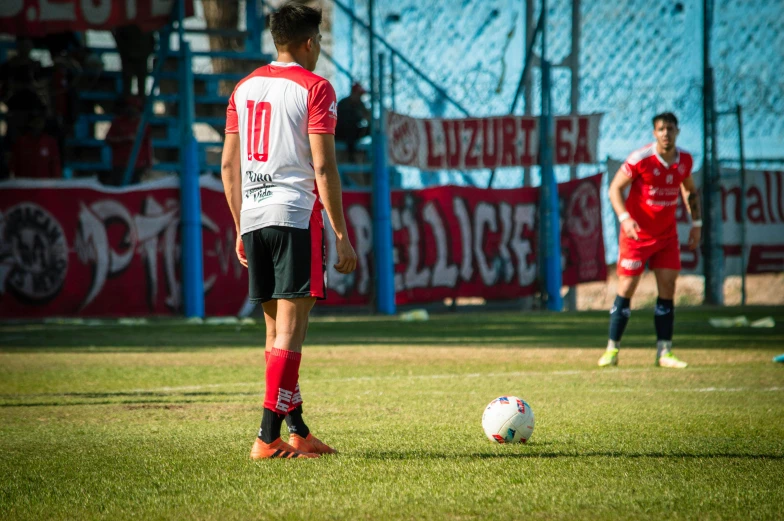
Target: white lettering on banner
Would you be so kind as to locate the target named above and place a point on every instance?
(414, 278)
(363, 237)
(444, 274)
(55, 11)
(96, 12)
(524, 216)
(484, 214)
(505, 211)
(461, 212)
(142, 233)
(492, 142)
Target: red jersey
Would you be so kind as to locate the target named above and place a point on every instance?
(656, 187)
(36, 157)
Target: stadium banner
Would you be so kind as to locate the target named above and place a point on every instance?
(454, 241)
(77, 248)
(41, 17)
(764, 222)
(492, 142)
(70, 248)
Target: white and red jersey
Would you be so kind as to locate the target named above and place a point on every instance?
(655, 190)
(273, 110)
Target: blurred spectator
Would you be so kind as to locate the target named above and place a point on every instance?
(134, 47)
(21, 72)
(353, 119)
(35, 153)
(121, 136)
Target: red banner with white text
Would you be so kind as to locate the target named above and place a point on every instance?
(41, 17)
(75, 248)
(469, 242)
(493, 142)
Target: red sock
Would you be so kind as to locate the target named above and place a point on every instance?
(282, 377)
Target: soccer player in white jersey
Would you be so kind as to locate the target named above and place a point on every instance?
(656, 176)
(278, 168)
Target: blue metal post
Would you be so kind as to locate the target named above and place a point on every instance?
(549, 201)
(252, 26)
(382, 211)
(190, 196)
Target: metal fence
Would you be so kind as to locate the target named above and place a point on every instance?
(635, 58)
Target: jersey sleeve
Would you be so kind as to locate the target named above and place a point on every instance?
(232, 123)
(629, 167)
(322, 109)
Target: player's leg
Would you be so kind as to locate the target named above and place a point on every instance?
(666, 265)
(664, 318)
(631, 263)
(261, 250)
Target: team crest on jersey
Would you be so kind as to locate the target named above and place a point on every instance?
(656, 171)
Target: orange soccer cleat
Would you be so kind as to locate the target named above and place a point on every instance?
(277, 449)
(310, 444)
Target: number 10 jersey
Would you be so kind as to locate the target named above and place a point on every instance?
(273, 110)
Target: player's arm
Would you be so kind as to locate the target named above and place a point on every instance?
(619, 183)
(692, 198)
(232, 186)
(322, 147)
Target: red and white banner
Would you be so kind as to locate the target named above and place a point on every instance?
(493, 142)
(72, 248)
(76, 248)
(764, 224)
(469, 242)
(41, 17)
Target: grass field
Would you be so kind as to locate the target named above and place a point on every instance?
(156, 422)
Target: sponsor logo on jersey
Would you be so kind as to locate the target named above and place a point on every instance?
(656, 172)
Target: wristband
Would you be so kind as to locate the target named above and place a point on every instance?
(623, 217)
(697, 223)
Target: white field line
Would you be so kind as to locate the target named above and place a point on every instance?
(193, 388)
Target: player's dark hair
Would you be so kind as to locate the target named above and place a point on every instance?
(294, 23)
(667, 117)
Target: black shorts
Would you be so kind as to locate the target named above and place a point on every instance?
(286, 262)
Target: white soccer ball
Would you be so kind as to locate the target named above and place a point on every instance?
(508, 419)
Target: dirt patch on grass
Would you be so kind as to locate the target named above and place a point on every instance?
(763, 289)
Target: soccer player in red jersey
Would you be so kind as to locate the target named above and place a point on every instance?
(656, 176)
(278, 168)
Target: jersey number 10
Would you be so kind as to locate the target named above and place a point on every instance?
(258, 130)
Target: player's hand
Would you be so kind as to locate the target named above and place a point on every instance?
(347, 257)
(694, 238)
(630, 228)
(240, 249)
